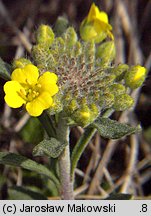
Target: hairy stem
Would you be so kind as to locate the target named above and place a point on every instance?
(79, 148)
(66, 184)
(61, 132)
(64, 161)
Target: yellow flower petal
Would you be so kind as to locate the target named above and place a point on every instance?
(102, 16)
(12, 98)
(48, 83)
(27, 75)
(101, 26)
(139, 72)
(37, 106)
(95, 26)
(97, 31)
(95, 13)
(18, 75)
(48, 77)
(103, 30)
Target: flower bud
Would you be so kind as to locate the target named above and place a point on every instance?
(20, 63)
(89, 51)
(44, 35)
(77, 49)
(106, 52)
(43, 57)
(123, 102)
(95, 26)
(106, 81)
(117, 89)
(135, 76)
(70, 37)
(60, 25)
(57, 106)
(119, 71)
(108, 100)
(85, 115)
(72, 106)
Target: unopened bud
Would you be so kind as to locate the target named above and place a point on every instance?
(85, 115)
(106, 52)
(43, 57)
(20, 63)
(117, 89)
(44, 35)
(108, 100)
(89, 50)
(123, 102)
(57, 106)
(120, 71)
(70, 37)
(60, 25)
(135, 76)
(72, 106)
(77, 49)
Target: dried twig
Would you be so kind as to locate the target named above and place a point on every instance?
(131, 165)
(103, 163)
(23, 39)
(21, 123)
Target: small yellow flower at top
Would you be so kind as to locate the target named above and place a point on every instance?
(28, 88)
(95, 26)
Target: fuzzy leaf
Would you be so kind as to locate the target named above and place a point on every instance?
(4, 70)
(112, 129)
(12, 159)
(51, 148)
(20, 193)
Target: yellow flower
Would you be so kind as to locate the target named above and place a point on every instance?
(95, 26)
(27, 87)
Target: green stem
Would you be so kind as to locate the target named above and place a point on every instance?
(108, 113)
(47, 124)
(79, 148)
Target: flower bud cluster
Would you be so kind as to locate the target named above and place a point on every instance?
(71, 75)
(88, 84)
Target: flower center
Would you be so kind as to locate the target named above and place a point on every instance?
(30, 92)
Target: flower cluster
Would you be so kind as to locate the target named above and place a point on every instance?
(83, 83)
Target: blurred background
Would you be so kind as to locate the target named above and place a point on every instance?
(107, 166)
